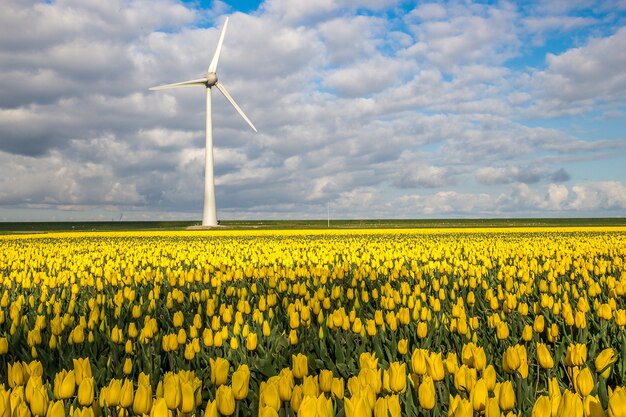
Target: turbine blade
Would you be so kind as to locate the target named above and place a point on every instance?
(218, 50)
(190, 83)
(229, 98)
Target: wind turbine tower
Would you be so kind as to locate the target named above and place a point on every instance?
(209, 214)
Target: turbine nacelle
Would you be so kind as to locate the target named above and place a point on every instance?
(211, 79)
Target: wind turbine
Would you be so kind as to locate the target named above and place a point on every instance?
(209, 214)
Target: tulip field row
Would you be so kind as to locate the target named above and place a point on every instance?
(465, 322)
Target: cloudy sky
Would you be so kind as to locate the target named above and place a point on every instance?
(377, 108)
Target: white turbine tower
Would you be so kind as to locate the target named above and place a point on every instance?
(209, 215)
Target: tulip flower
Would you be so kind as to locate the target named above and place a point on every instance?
(544, 357)
(338, 388)
(418, 361)
(584, 382)
(479, 395)
(542, 407)
(4, 346)
(397, 377)
(56, 409)
(570, 405)
(39, 401)
(126, 394)
(219, 371)
(225, 400)
(506, 396)
(300, 365)
(357, 407)
(251, 341)
(241, 382)
(617, 402)
(489, 375)
(160, 409)
(16, 375)
(492, 409)
(604, 362)
(86, 392)
(267, 412)
(325, 380)
(592, 406)
(64, 384)
(82, 369)
(426, 393)
(434, 364)
(269, 393)
(187, 397)
(142, 401)
(576, 354)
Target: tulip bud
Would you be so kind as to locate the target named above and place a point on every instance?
(219, 371)
(85, 392)
(543, 356)
(426, 393)
(225, 400)
(241, 382)
(300, 365)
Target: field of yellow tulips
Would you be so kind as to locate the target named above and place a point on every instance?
(464, 322)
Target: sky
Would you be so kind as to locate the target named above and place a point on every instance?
(365, 109)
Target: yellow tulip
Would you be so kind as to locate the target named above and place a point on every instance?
(269, 393)
(422, 330)
(393, 406)
(542, 407)
(418, 361)
(492, 409)
(187, 397)
(604, 362)
(39, 401)
(16, 375)
(5, 402)
(142, 401)
(368, 360)
(584, 382)
(126, 394)
(296, 399)
(241, 382)
(114, 391)
(511, 360)
(172, 390)
(592, 407)
(479, 395)
(617, 402)
(576, 354)
(211, 409)
(403, 346)
(397, 376)
(82, 369)
(357, 407)
(225, 400)
(426, 393)
(380, 407)
(325, 380)
(85, 392)
(338, 388)
(544, 357)
(267, 411)
(22, 410)
(285, 384)
(4, 346)
(434, 364)
(300, 365)
(56, 409)
(160, 409)
(251, 341)
(570, 405)
(506, 396)
(128, 366)
(489, 375)
(219, 371)
(64, 384)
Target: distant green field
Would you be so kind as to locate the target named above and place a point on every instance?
(27, 227)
